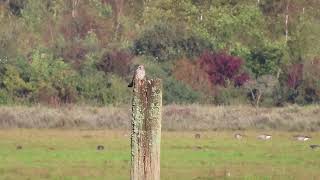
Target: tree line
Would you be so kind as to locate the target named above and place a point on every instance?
(260, 52)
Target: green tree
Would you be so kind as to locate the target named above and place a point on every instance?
(48, 72)
(178, 92)
(14, 84)
(265, 60)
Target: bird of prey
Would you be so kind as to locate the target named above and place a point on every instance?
(139, 75)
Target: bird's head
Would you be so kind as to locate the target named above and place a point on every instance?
(140, 67)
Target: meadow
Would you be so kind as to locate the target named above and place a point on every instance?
(175, 117)
(72, 154)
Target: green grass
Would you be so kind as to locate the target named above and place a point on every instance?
(72, 154)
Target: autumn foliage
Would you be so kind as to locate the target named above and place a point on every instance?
(223, 68)
(117, 62)
(75, 51)
(295, 76)
(192, 74)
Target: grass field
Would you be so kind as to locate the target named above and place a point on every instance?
(72, 154)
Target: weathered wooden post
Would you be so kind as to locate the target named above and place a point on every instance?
(146, 129)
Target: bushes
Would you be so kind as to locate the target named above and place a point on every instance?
(191, 74)
(100, 85)
(168, 42)
(118, 91)
(99, 89)
(214, 78)
(309, 90)
(312, 81)
(262, 89)
(223, 69)
(177, 92)
(229, 96)
(295, 76)
(14, 84)
(117, 62)
(302, 83)
(50, 80)
(88, 49)
(4, 97)
(265, 60)
(54, 75)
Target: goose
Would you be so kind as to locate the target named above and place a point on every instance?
(314, 146)
(239, 136)
(264, 137)
(197, 136)
(302, 137)
(19, 147)
(100, 147)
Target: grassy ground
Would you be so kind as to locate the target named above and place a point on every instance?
(72, 154)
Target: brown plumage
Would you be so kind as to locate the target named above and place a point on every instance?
(139, 75)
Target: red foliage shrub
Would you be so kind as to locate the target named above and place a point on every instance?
(222, 67)
(295, 76)
(191, 73)
(241, 79)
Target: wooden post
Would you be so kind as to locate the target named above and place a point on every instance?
(146, 130)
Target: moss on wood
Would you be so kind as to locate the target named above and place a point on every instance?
(146, 130)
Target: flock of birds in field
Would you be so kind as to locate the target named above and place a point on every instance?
(266, 137)
(238, 136)
(99, 148)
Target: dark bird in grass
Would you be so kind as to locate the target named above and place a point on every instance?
(197, 136)
(19, 147)
(314, 146)
(100, 147)
(302, 137)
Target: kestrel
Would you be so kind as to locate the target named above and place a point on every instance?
(139, 75)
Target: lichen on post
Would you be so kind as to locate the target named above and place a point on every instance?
(146, 130)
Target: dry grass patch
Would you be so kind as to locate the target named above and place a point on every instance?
(175, 117)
